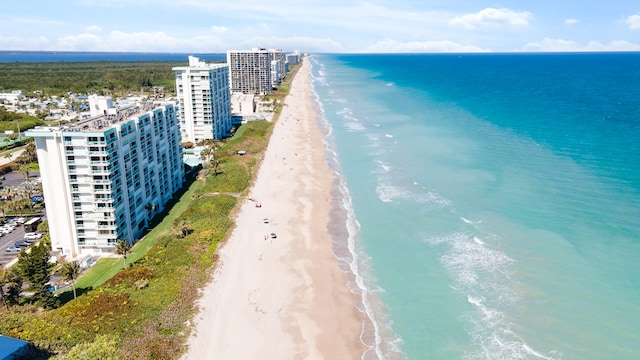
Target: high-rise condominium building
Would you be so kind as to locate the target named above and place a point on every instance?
(279, 57)
(205, 100)
(105, 177)
(250, 71)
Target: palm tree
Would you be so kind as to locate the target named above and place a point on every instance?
(30, 152)
(123, 248)
(70, 272)
(24, 170)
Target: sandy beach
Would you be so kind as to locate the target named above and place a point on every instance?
(282, 297)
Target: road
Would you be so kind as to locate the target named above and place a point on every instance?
(14, 155)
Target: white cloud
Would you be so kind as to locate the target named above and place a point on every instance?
(82, 42)
(20, 43)
(571, 21)
(94, 29)
(634, 22)
(163, 42)
(561, 45)
(393, 46)
(219, 29)
(492, 17)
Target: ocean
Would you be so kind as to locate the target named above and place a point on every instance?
(492, 201)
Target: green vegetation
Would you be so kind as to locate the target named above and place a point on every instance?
(34, 266)
(58, 78)
(13, 121)
(141, 312)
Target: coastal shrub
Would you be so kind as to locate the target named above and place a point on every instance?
(103, 347)
(151, 344)
(131, 275)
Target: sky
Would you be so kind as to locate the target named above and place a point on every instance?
(331, 26)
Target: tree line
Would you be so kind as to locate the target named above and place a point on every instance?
(58, 78)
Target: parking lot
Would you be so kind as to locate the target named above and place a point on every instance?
(8, 240)
(13, 179)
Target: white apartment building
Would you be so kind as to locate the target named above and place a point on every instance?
(204, 96)
(250, 71)
(280, 58)
(105, 177)
(293, 58)
(275, 73)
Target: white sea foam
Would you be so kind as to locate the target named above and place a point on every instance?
(353, 126)
(470, 222)
(361, 286)
(478, 241)
(373, 138)
(388, 136)
(383, 168)
(482, 274)
(388, 193)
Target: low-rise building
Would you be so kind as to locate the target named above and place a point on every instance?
(243, 104)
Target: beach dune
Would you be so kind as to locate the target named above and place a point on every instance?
(278, 292)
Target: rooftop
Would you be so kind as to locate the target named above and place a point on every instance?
(102, 122)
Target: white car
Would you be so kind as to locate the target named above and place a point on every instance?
(32, 236)
(6, 230)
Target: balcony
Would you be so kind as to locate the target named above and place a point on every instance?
(98, 171)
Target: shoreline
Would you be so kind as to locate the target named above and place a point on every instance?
(344, 230)
(288, 296)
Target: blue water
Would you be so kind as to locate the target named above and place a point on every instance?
(494, 200)
(72, 56)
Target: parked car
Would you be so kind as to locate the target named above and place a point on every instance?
(5, 230)
(22, 244)
(20, 220)
(32, 236)
(13, 248)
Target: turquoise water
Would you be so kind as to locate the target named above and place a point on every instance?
(494, 200)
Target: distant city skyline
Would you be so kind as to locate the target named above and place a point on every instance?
(344, 26)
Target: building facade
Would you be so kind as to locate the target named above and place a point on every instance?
(279, 57)
(250, 71)
(204, 96)
(293, 58)
(104, 178)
